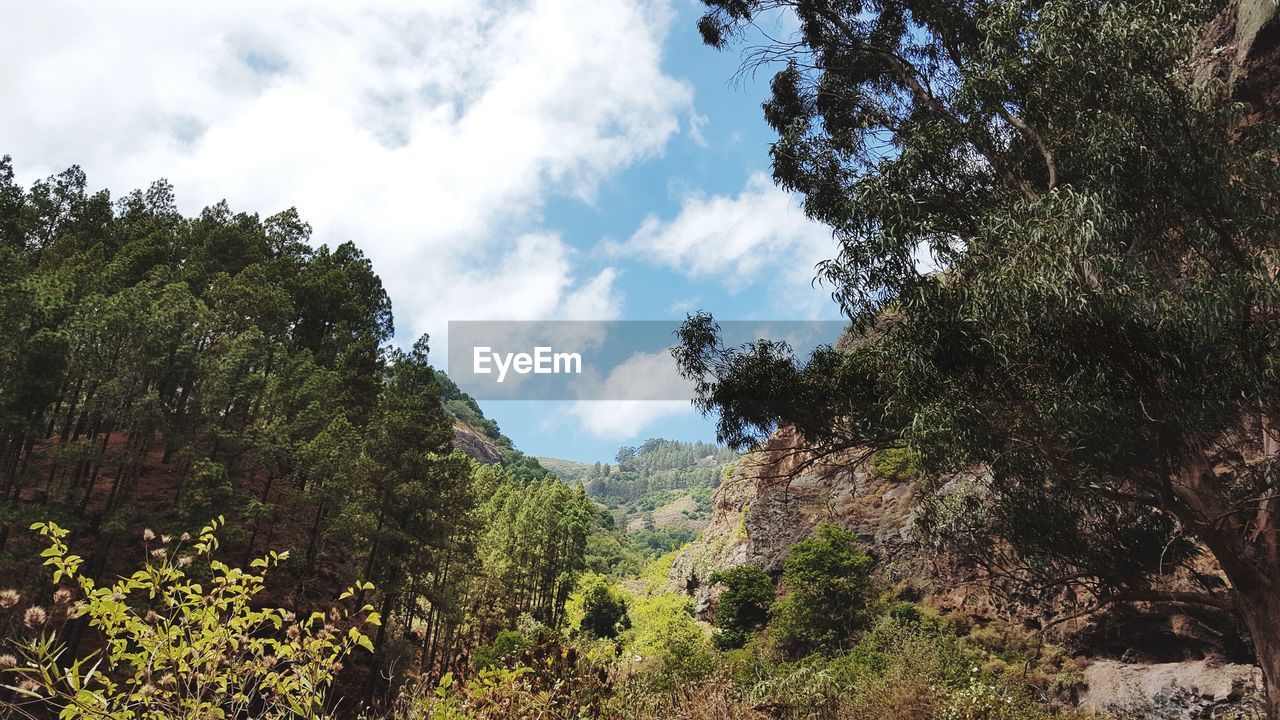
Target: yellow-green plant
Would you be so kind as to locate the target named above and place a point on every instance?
(177, 647)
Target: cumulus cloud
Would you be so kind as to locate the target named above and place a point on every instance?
(642, 375)
(429, 132)
(758, 237)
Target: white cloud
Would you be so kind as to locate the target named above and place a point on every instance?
(696, 123)
(624, 419)
(759, 236)
(647, 376)
(652, 375)
(429, 132)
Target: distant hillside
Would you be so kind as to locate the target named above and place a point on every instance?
(568, 470)
(660, 491)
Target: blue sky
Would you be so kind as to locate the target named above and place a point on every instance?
(504, 159)
(732, 144)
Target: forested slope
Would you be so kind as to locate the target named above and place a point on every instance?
(162, 370)
(658, 492)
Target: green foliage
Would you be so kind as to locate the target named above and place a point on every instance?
(604, 610)
(161, 368)
(609, 552)
(826, 579)
(656, 465)
(666, 643)
(524, 467)
(557, 684)
(654, 543)
(464, 407)
(1098, 339)
(176, 647)
(743, 606)
(504, 648)
(904, 667)
(895, 463)
(533, 546)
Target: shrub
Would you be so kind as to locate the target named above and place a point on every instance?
(604, 611)
(828, 590)
(550, 681)
(895, 463)
(743, 606)
(505, 647)
(983, 700)
(665, 641)
(173, 647)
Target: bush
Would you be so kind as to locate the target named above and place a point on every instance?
(896, 463)
(173, 647)
(506, 647)
(666, 642)
(604, 611)
(828, 591)
(983, 700)
(743, 606)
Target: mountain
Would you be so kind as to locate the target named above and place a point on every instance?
(480, 437)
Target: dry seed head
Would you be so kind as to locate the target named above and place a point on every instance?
(35, 616)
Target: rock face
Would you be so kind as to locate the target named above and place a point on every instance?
(775, 497)
(779, 493)
(1155, 661)
(475, 444)
(1174, 691)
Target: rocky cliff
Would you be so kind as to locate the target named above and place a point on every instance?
(1168, 662)
(776, 495)
(475, 444)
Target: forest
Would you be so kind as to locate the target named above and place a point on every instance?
(165, 371)
(1037, 478)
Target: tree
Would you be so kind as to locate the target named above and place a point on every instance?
(604, 611)
(154, 366)
(744, 604)
(1103, 335)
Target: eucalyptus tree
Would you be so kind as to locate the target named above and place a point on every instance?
(1103, 335)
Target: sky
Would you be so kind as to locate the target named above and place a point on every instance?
(496, 160)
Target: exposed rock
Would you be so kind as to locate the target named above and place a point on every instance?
(779, 493)
(475, 444)
(1174, 691)
(775, 497)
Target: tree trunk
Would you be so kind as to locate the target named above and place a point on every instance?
(1260, 605)
(1246, 545)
